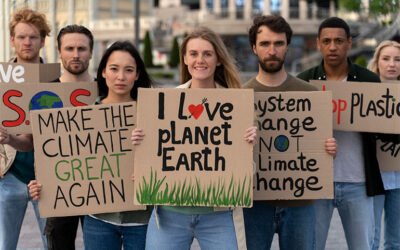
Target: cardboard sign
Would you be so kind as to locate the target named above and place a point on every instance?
(84, 159)
(28, 72)
(194, 152)
(19, 99)
(388, 155)
(290, 154)
(364, 107)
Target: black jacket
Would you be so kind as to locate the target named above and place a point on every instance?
(357, 74)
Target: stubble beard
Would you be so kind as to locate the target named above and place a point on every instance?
(31, 57)
(268, 69)
(77, 71)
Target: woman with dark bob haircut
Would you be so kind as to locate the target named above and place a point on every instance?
(143, 81)
(121, 72)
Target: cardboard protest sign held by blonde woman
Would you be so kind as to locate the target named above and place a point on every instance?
(194, 153)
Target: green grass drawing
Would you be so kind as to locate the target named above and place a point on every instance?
(188, 193)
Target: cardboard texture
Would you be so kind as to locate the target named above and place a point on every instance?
(21, 73)
(388, 155)
(84, 159)
(19, 99)
(193, 153)
(29, 72)
(290, 155)
(364, 107)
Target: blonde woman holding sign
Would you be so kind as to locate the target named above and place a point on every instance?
(204, 63)
(386, 63)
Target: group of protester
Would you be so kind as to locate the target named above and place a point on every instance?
(360, 195)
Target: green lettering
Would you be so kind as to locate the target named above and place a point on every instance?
(88, 167)
(76, 164)
(118, 155)
(65, 174)
(105, 166)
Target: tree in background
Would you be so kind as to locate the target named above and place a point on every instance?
(361, 60)
(174, 54)
(148, 51)
(383, 7)
(376, 7)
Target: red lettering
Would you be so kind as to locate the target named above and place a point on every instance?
(339, 106)
(21, 113)
(75, 94)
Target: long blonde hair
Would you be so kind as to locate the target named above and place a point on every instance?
(226, 73)
(373, 64)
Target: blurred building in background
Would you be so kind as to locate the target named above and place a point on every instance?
(112, 20)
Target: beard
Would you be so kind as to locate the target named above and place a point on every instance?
(28, 56)
(273, 68)
(76, 69)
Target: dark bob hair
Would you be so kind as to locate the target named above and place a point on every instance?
(143, 81)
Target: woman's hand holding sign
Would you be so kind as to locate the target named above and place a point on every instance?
(34, 189)
(137, 136)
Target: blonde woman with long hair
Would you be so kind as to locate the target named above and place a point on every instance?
(204, 63)
(386, 63)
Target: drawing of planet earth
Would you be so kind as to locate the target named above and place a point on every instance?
(45, 100)
(281, 143)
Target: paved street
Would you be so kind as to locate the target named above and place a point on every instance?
(30, 240)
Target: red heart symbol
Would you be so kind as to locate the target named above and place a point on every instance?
(196, 110)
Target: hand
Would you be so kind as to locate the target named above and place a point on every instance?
(331, 146)
(34, 189)
(4, 136)
(137, 136)
(251, 135)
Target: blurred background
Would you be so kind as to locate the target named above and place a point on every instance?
(158, 26)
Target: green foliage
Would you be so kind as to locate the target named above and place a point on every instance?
(194, 194)
(361, 60)
(383, 7)
(376, 7)
(174, 55)
(350, 5)
(147, 51)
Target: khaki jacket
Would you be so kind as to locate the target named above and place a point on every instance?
(7, 156)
